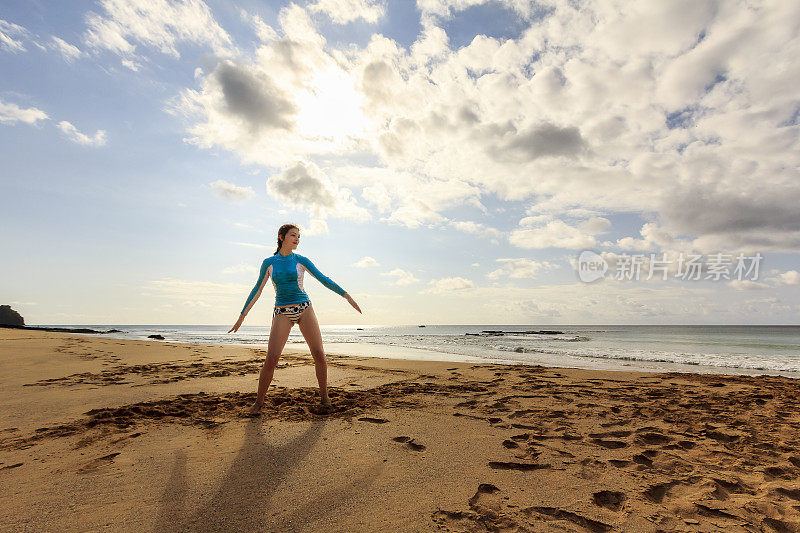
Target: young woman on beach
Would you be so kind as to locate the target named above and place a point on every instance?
(292, 306)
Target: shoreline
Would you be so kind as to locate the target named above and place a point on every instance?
(148, 434)
(391, 351)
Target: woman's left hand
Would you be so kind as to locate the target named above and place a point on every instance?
(238, 324)
(352, 302)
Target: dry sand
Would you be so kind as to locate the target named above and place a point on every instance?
(100, 433)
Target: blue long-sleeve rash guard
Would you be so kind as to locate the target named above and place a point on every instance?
(287, 278)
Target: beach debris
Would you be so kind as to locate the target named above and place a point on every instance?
(511, 465)
(373, 420)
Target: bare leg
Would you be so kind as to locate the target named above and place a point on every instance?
(309, 327)
(278, 334)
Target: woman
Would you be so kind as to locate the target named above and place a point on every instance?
(292, 306)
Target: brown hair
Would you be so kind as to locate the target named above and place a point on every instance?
(282, 234)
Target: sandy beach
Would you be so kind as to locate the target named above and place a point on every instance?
(122, 435)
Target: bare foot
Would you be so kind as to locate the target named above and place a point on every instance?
(254, 410)
(325, 405)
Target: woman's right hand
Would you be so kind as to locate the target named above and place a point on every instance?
(238, 324)
(352, 302)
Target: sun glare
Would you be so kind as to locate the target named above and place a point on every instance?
(331, 108)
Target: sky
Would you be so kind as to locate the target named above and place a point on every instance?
(447, 161)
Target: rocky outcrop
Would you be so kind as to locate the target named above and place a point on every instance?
(9, 317)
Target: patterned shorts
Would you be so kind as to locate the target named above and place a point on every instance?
(292, 312)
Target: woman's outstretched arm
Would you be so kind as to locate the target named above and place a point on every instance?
(263, 276)
(322, 278)
(254, 294)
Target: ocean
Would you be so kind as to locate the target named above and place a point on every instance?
(721, 349)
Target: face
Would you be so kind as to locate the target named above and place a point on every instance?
(292, 239)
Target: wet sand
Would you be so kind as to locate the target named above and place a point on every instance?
(146, 435)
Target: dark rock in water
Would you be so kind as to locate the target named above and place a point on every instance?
(157, 337)
(9, 317)
(421, 326)
(114, 331)
(497, 332)
(359, 329)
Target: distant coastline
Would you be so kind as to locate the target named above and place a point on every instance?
(64, 330)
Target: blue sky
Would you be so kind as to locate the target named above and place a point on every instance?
(446, 161)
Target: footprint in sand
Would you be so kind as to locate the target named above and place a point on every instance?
(582, 521)
(97, 463)
(782, 472)
(645, 458)
(610, 499)
(656, 493)
(410, 443)
(619, 463)
(486, 513)
(789, 493)
(610, 443)
(591, 468)
(487, 498)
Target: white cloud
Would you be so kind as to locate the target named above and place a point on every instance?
(131, 64)
(264, 31)
(653, 238)
(344, 11)
(446, 8)
(403, 277)
(306, 185)
(231, 192)
(316, 227)
(695, 128)
(68, 51)
(189, 288)
(449, 286)
(595, 225)
(747, 285)
(414, 213)
(556, 234)
(157, 24)
(72, 133)
(12, 113)
(251, 245)
(520, 268)
(365, 262)
(11, 36)
(241, 268)
(790, 277)
(476, 228)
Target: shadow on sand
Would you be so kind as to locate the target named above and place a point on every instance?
(248, 497)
